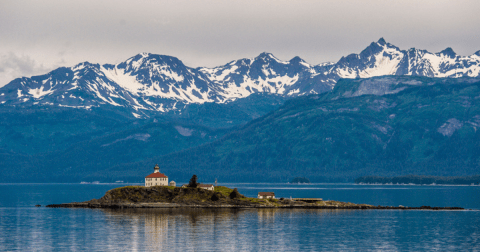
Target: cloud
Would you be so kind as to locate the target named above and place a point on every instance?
(210, 33)
(14, 66)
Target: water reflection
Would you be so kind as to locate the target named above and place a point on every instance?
(222, 229)
(236, 230)
(292, 229)
(170, 228)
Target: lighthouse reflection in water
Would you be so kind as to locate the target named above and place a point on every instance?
(290, 229)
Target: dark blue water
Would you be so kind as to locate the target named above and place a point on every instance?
(24, 227)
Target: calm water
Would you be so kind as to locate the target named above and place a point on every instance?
(27, 228)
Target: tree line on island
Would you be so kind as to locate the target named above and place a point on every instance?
(193, 183)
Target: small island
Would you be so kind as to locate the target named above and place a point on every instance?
(300, 180)
(220, 197)
(158, 193)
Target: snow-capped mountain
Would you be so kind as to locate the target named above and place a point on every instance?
(158, 83)
(265, 73)
(144, 82)
(382, 58)
(149, 82)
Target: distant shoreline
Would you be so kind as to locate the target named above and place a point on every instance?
(419, 180)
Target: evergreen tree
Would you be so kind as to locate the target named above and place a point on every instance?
(193, 182)
(235, 194)
(215, 197)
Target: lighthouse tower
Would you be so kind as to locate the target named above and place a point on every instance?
(156, 178)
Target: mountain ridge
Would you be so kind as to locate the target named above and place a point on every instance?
(148, 84)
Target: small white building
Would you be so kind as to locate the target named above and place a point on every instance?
(266, 195)
(202, 186)
(156, 178)
(172, 183)
(206, 187)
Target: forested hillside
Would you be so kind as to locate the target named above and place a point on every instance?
(385, 126)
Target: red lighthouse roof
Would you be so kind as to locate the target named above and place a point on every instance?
(156, 175)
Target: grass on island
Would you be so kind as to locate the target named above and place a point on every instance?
(333, 203)
(133, 187)
(223, 190)
(263, 201)
(191, 194)
(226, 192)
(119, 189)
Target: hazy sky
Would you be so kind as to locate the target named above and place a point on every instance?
(39, 36)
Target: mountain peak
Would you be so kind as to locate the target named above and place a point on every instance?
(84, 65)
(137, 57)
(373, 48)
(382, 41)
(146, 55)
(477, 53)
(296, 59)
(143, 57)
(265, 54)
(449, 52)
(267, 57)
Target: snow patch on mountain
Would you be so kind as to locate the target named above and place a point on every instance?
(386, 63)
(39, 92)
(184, 131)
(123, 79)
(449, 127)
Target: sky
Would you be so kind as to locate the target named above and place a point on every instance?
(39, 36)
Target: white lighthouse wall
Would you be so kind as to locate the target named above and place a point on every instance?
(156, 182)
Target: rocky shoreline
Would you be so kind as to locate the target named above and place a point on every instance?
(222, 197)
(296, 206)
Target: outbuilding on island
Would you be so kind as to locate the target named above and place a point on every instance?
(156, 178)
(209, 187)
(266, 195)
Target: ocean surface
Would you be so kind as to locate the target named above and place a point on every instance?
(24, 227)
